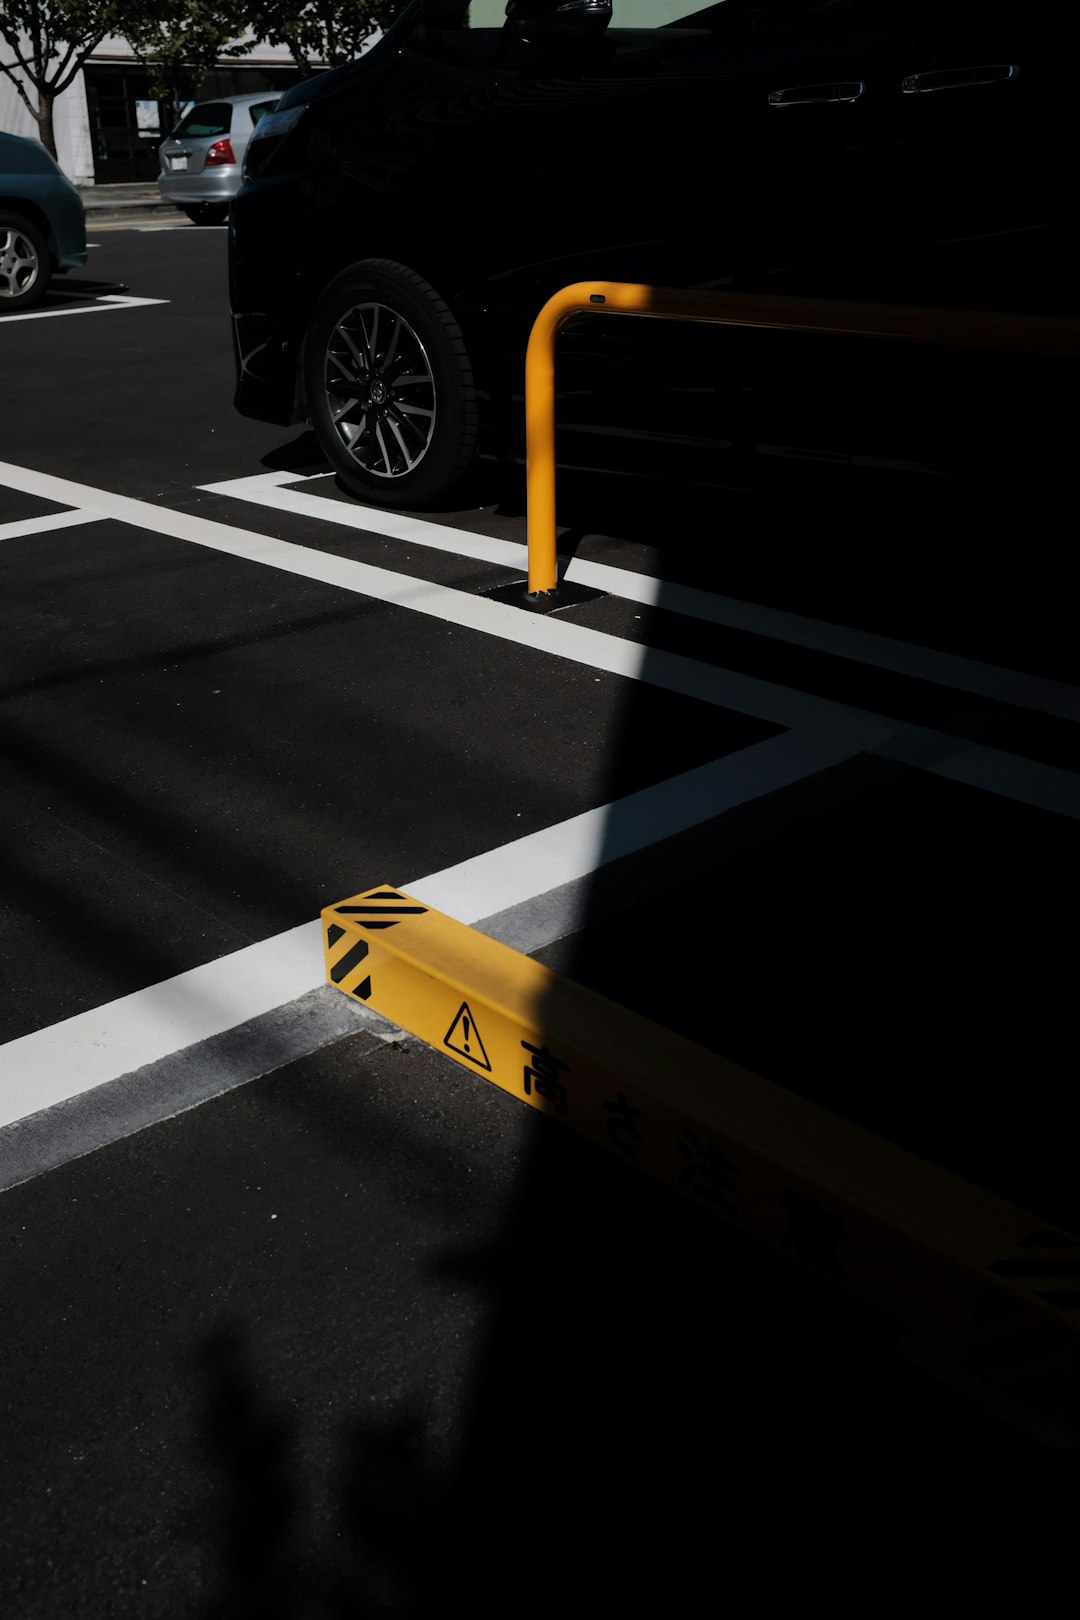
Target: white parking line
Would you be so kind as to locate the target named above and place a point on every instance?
(764, 700)
(46, 524)
(67, 1059)
(545, 860)
(839, 641)
(100, 306)
(986, 768)
(72, 1057)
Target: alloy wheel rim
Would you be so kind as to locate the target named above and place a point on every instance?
(18, 263)
(380, 391)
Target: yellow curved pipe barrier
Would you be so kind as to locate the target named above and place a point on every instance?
(968, 329)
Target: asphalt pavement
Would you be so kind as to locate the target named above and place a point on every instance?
(301, 1318)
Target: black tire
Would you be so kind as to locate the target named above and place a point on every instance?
(407, 435)
(207, 213)
(25, 263)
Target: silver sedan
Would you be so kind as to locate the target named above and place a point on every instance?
(201, 160)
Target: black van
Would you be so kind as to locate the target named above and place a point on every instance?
(404, 218)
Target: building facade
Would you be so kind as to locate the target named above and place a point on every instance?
(109, 123)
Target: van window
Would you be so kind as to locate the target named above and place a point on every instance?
(470, 30)
(661, 13)
(625, 13)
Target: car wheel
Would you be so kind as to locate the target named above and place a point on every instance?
(25, 266)
(208, 213)
(390, 387)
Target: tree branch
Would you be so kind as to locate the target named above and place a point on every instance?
(62, 69)
(61, 84)
(19, 57)
(21, 90)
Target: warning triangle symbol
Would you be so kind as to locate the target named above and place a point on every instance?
(463, 1037)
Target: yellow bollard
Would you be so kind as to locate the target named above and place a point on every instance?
(622, 297)
(966, 329)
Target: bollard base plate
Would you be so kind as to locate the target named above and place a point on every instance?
(517, 593)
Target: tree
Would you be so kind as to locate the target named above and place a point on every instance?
(185, 36)
(313, 31)
(45, 43)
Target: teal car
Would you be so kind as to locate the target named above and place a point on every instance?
(42, 223)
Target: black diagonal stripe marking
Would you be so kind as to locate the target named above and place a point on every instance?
(385, 894)
(1036, 1268)
(363, 989)
(350, 960)
(382, 911)
(333, 934)
(1047, 1240)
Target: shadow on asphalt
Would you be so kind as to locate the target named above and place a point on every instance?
(88, 789)
(874, 939)
(661, 1418)
(299, 455)
(654, 1416)
(68, 291)
(655, 1420)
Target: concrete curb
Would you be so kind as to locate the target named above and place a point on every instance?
(125, 201)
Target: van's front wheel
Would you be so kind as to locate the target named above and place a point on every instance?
(390, 387)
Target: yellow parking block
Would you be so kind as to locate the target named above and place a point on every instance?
(957, 1264)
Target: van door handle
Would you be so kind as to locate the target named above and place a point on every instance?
(805, 95)
(921, 84)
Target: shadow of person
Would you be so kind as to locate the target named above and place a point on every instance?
(250, 1448)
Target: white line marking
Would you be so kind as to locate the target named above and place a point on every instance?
(263, 480)
(747, 694)
(545, 860)
(839, 641)
(45, 525)
(594, 648)
(69, 1058)
(268, 491)
(1028, 781)
(100, 306)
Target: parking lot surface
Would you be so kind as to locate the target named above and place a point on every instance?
(793, 771)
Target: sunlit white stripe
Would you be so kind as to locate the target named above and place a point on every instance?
(70, 1058)
(775, 624)
(100, 306)
(46, 523)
